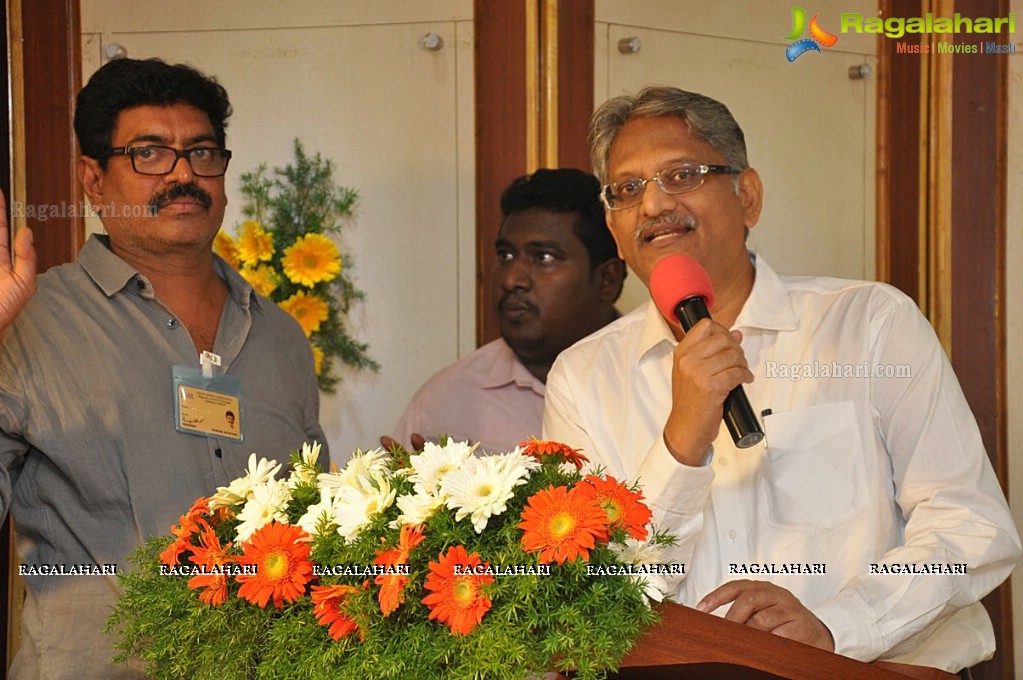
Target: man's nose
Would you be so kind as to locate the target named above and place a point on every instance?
(516, 275)
(181, 173)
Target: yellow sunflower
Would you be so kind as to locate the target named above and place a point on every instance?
(309, 310)
(263, 278)
(317, 359)
(254, 243)
(311, 259)
(225, 246)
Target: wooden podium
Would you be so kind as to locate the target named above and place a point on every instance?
(690, 644)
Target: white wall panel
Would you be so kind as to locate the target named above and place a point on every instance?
(809, 127)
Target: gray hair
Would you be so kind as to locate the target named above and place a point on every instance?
(707, 118)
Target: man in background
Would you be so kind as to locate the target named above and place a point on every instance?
(94, 453)
(859, 471)
(556, 281)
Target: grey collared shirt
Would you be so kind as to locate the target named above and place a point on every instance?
(90, 461)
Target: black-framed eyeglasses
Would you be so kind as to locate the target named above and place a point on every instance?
(677, 179)
(160, 160)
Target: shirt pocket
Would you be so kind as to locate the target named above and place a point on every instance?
(813, 476)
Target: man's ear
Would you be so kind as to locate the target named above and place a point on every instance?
(614, 235)
(609, 277)
(751, 195)
(91, 176)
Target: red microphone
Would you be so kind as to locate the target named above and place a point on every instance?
(682, 290)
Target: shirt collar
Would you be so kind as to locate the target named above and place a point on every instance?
(507, 369)
(768, 307)
(112, 274)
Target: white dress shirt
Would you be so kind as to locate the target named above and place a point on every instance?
(882, 464)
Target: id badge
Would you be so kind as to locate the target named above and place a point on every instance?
(207, 406)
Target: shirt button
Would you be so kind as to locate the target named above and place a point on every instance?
(219, 453)
(723, 461)
(731, 534)
(172, 323)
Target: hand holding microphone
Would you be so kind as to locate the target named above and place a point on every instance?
(707, 360)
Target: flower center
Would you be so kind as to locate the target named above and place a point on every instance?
(484, 490)
(562, 524)
(464, 592)
(310, 261)
(613, 510)
(275, 566)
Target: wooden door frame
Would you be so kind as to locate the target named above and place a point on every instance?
(941, 192)
(534, 97)
(44, 73)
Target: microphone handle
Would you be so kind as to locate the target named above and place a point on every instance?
(738, 414)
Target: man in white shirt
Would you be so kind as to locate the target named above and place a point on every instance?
(869, 522)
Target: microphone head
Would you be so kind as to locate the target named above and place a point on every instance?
(676, 278)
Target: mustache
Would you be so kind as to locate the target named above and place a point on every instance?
(177, 191)
(518, 300)
(673, 219)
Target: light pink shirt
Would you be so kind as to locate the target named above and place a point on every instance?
(487, 397)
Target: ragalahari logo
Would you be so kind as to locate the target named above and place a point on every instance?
(818, 36)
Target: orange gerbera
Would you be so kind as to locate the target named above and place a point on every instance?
(540, 449)
(562, 524)
(457, 598)
(328, 606)
(212, 558)
(625, 508)
(280, 555)
(391, 585)
(188, 524)
(309, 310)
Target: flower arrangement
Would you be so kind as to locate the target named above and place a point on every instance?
(285, 251)
(431, 564)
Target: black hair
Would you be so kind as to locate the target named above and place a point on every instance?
(126, 83)
(566, 190)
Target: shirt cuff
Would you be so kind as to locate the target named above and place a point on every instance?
(676, 489)
(852, 626)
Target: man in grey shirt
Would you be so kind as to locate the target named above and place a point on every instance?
(98, 450)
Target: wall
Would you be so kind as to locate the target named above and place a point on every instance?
(809, 127)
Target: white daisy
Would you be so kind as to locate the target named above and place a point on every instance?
(655, 586)
(482, 487)
(416, 508)
(359, 471)
(435, 462)
(319, 514)
(268, 502)
(305, 471)
(355, 507)
(241, 489)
